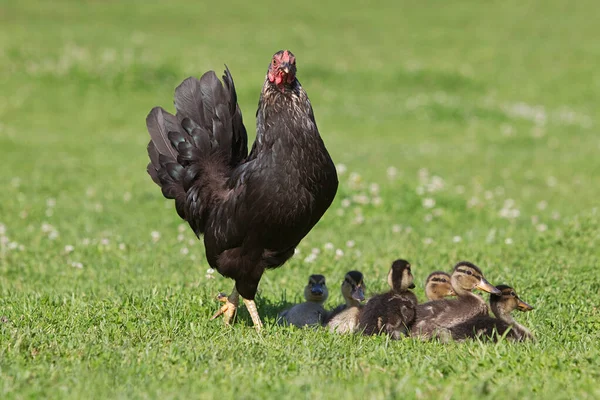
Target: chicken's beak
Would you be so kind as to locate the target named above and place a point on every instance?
(487, 287)
(285, 67)
(522, 306)
(358, 293)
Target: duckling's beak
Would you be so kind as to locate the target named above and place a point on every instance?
(487, 287)
(522, 306)
(451, 292)
(316, 289)
(358, 293)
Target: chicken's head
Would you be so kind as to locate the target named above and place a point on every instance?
(282, 70)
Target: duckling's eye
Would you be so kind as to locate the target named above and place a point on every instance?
(513, 294)
(469, 272)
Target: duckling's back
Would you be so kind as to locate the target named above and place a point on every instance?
(344, 320)
(304, 314)
(390, 313)
(487, 327)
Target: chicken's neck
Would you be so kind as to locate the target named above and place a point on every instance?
(285, 118)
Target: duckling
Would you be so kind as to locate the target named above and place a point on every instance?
(487, 327)
(437, 286)
(391, 313)
(310, 312)
(435, 317)
(344, 318)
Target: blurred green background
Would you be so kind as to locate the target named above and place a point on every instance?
(461, 130)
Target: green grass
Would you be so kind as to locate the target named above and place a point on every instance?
(484, 107)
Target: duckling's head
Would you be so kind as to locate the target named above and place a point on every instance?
(467, 277)
(507, 301)
(438, 286)
(353, 288)
(316, 290)
(400, 278)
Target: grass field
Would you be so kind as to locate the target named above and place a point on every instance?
(461, 129)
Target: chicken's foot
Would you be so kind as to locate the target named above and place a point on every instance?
(228, 309)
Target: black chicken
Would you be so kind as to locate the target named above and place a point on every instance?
(253, 209)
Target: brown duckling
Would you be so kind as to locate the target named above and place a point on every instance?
(393, 312)
(435, 317)
(438, 286)
(504, 324)
(310, 312)
(344, 318)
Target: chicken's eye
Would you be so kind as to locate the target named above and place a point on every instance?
(274, 62)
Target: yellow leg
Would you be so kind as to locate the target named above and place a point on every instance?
(251, 306)
(229, 308)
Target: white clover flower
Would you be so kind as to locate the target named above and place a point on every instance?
(339, 253)
(374, 188)
(457, 239)
(155, 236)
(428, 218)
(51, 202)
(555, 215)
(69, 249)
(49, 212)
(329, 246)
(396, 228)
(542, 205)
(53, 235)
(315, 251)
(350, 243)
(104, 242)
(47, 227)
(180, 237)
(361, 199)
(2, 229)
(428, 202)
(377, 201)
(392, 172)
(508, 241)
(181, 228)
(126, 197)
(90, 192)
(184, 251)
(341, 169)
(210, 271)
(428, 241)
(542, 227)
(460, 189)
(77, 264)
(310, 258)
(296, 251)
(13, 245)
(346, 203)
(359, 219)
(122, 246)
(473, 202)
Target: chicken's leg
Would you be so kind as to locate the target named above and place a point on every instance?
(251, 306)
(230, 307)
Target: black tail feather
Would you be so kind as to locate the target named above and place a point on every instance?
(197, 147)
